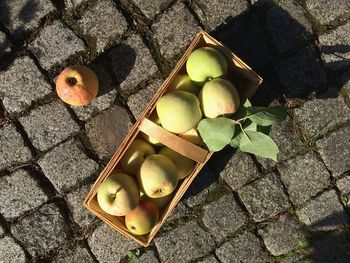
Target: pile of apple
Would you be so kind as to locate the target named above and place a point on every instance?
(150, 175)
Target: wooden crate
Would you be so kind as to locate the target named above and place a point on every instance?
(246, 82)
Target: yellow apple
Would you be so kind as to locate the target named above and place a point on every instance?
(192, 136)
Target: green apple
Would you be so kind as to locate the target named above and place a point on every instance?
(179, 111)
(118, 194)
(158, 176)
(143, 218)
(206, 63)
(184, 83)
(184, 165)
(192, 136)
(219, 97)
(135, 154)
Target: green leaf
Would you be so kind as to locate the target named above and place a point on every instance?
(216, 132)
(236, 137)
(242, 110)
(259, 144)
(266, 116)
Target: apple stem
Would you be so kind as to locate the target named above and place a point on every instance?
(72, 81)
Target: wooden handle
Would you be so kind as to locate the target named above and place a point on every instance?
(173, 141)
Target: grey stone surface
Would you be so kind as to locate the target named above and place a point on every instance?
(105, 97)
(20, 192)
(67, 165)
(323, 213)
(264, 197)
(287, 25)
(304, 177)
(186, 242)
(21, 85)
(318, 116)
(282, 235)
(48, 125)
(245, 247)
(45, 46)
(73, 254)
(107, 130)
(10, 155)
(297, 258)
(80, 214)
(326, 11)
(104, 23)
(332, 45)
(335, 150)
(136, 66)
(175, 29)
(137, 102)
(152, 8)
(178, 212)
(71, 4)
(10, 251)
(19, 16)
(223, 217)
(343, 185)
(214, 13)
(108, 245)
(301, 73)
(208, 259)
(287, 140)
(148, 257)
(4, 44)
(239, 170)
(41, 231)
(249, 32)
(2, 230)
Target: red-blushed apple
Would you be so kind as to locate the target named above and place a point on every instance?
(118, 194)
(77, 85)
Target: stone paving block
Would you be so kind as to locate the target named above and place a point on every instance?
(4, 44)
(75, 199)
(325, 11)
(239, 170)
(208, 259)
(107, 130)
(152, 8)
(42, 230)
(335, 151)
(214, 13)
(302, 73)
(108, 245)
(67, 165)
(10, 155)
(175, 30)
(20, 16)
(48, 125)
(304, 176)
(148, 257)
(245, 247)
(323, 213)
(289, 144)
(21, 85)
(76, 254)
(318, 116)
(297, 258)
(10, 251)
(71, 4)
(178, 212)
(264, 197)
(2, 230)
(282, 235)
(287, 25)
(104, 23)
(343, 185)
(137, 102)
(20, 192)
(335, 47)
(54, 44)
(229, 217)
(136, 66)
(184, 243)
(252, 47)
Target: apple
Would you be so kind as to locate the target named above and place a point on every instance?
(118, 194)
(154, 117)
(161, 202)
(158, 176)
(179, 111)
(77, 85)
(219, 97)
(184, 165)
(184, 83)
(192, 136)
(135, 154)
(206, 63)
(143, 218)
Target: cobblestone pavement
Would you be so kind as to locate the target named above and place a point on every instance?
(240, 208)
